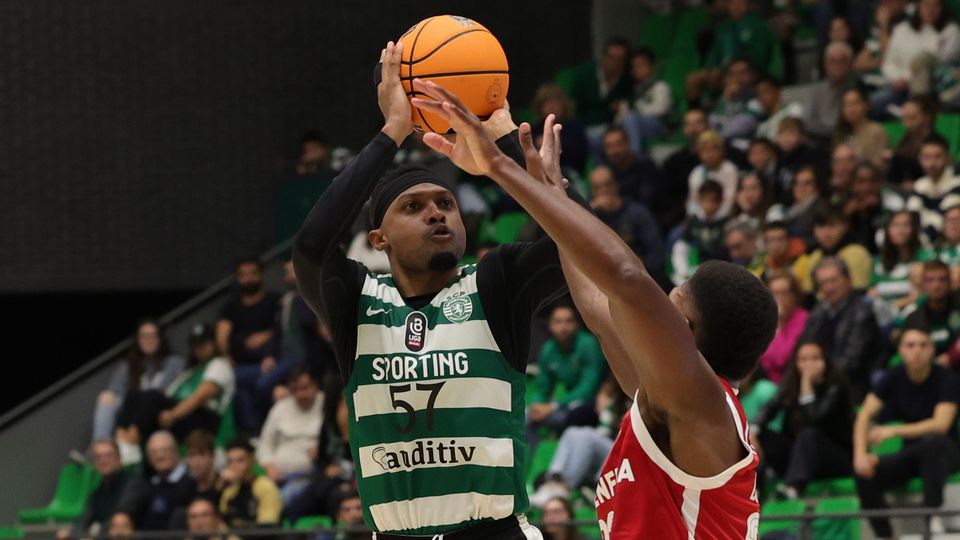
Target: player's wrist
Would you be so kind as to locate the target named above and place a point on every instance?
(397, 131)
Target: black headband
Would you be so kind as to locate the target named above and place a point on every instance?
(396, 183)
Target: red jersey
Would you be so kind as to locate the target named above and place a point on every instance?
(643, 495)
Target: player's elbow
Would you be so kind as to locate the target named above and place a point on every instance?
(631, 279)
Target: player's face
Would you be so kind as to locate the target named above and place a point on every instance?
(422, 230)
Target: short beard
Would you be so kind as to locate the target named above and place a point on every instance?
(442, 262)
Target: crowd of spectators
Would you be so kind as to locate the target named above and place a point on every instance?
(857, 237)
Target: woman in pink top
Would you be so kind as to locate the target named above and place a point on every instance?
(786, 291)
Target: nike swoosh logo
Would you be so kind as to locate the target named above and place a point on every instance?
(371, 312)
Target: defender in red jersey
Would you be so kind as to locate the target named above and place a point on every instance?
(681, 466)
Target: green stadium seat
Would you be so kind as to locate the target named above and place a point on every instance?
(692, 20)
(11, 533)
(587, 513)
(507, 227)
(895, 131)
(74, 486)
(565, 79)
(948, 125)
(540, 461)
(833, 487)
(678, 66)
(656, 33)
(781, 508)
(836, 529)
(307, 523)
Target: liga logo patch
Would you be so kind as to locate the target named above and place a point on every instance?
(416, 331)
(458, 309)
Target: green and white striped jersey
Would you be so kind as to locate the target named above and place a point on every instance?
(436, 412)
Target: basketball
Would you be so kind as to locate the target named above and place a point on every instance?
(462, 56)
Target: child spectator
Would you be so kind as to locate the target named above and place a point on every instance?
(795, 152)
(753, 200)
(815, 441)
(646, 117)
(714, 166)
(570, 360)
(772, 107)
(895, 279)
(702, 238)
(793, 319)
(939, 186)
(924, 397)
(781, 249)
(854, 127)
(762, 158)
(149, 366)
(830, 231)
(249, 500)
(288, 440)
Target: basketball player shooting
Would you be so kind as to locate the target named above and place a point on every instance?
(434, 354)
(681, 466)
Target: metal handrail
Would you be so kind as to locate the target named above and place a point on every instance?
(89, 368)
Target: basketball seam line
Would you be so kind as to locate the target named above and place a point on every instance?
(454, 74)
(440, 46)
(413, 48)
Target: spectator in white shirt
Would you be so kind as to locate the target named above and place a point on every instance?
(916, 46)
(646, 116)
(288, 441)
(714, 166)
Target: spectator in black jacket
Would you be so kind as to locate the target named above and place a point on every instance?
(923, 396)
(104, 500)
(815, 441)
(638, 177)
(674, 192)
(160, 503)
(245, 333)
(843, 322)
(631, 220)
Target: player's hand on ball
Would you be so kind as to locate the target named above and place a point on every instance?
(390, 95)
(473, 149)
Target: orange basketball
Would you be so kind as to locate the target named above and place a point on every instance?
(460, 55)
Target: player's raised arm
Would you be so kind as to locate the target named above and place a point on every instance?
(316, 253)
(659, 342)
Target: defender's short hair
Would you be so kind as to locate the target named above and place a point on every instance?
(738, 317)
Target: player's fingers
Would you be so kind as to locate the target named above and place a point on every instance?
(445, 95)
(462, 121)
(438, 142)
(546, 146)
(557, 146)
(421, 86)
(429, 105)
(530, 154)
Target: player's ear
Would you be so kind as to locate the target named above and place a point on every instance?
(378, 240)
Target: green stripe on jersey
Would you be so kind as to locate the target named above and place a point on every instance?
(436, 412)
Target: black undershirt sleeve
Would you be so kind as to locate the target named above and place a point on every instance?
(327, 279)
(514, 282)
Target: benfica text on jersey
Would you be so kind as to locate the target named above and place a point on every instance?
(643, 495)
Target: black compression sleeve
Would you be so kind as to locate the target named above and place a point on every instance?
(325, 276)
